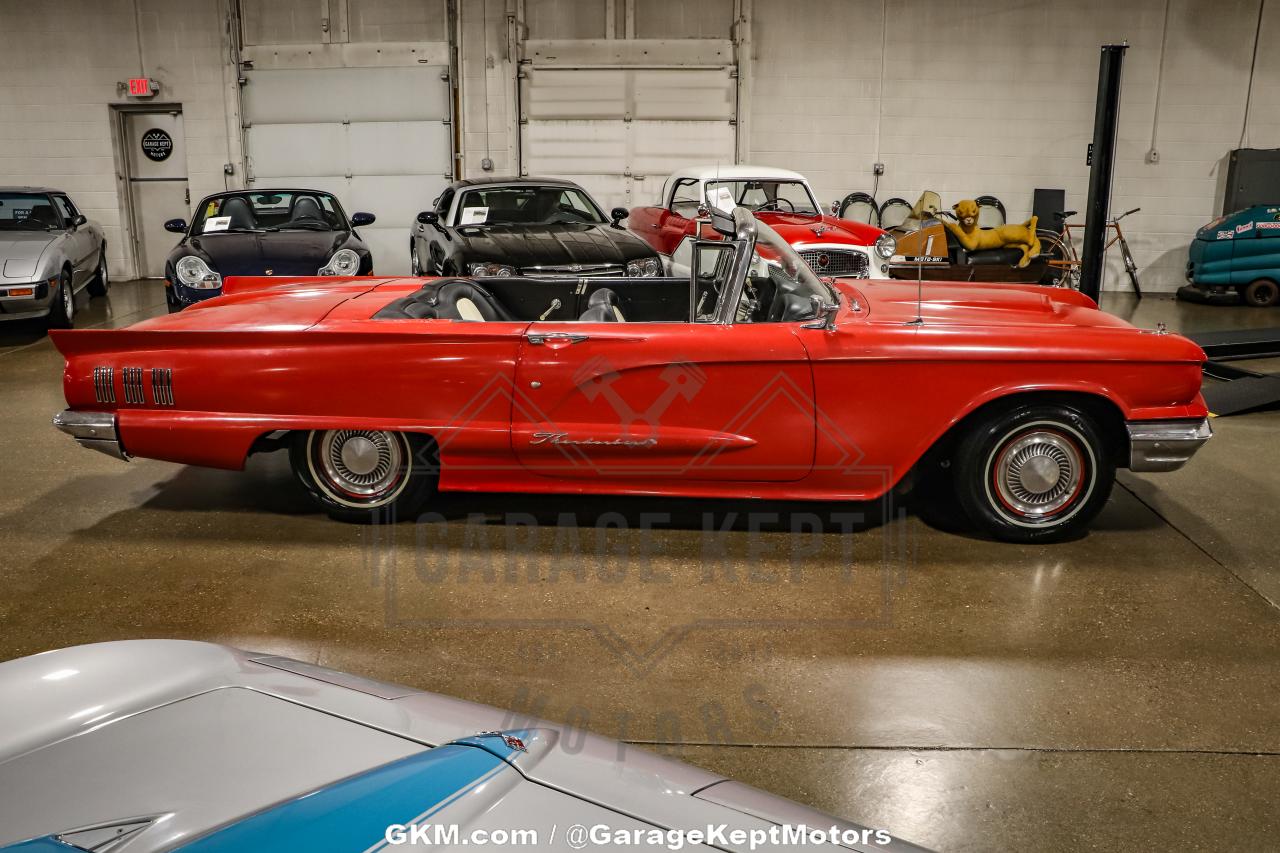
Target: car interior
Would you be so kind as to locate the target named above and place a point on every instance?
(277, 211)
(525, 205)
(768, 297)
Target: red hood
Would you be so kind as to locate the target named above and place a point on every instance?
(963, 304)
(804, 229)
(1034, 320)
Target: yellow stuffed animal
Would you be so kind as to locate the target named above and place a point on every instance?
(974, 238)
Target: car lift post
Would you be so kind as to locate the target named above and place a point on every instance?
(1102, 166)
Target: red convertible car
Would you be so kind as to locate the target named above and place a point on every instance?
(779, 198)
(751, 378)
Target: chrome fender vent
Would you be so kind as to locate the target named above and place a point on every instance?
(132, 379)
(104, 384)
(162, 386)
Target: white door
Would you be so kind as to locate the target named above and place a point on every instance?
(621, 131)
(377, 138)
(156, 159)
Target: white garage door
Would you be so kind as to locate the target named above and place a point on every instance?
(378, 138)
(620, 131)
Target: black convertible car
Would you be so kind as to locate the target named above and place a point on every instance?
(525, 226)
(262, 232)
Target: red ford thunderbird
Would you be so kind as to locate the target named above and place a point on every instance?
(779, 198)
(750, 378)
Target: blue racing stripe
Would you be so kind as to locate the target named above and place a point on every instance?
(353, 814)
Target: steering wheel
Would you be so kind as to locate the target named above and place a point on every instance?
(773, 205)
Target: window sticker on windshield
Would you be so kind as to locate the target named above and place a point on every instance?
(217, 223)
(722, 198)
(474, 216)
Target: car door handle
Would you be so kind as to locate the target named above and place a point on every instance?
(555, 340)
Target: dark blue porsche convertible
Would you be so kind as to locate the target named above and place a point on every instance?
(262, 232)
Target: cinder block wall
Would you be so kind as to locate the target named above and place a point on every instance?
(998, 96)
(61, 62)
(965, 98)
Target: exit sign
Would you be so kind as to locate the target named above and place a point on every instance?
(142, 87)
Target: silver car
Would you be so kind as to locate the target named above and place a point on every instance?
(145, 746)
(49, 252)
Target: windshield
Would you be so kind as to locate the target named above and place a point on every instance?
(762, 195)
(269, 211)
(27, 212)
(527, 205)
(778, 262)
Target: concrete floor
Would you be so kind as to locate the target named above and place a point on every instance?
(1114, 693)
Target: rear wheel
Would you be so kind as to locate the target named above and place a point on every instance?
(1035, 474)
(62, 313)
(365, 476)
(101, 282)
(1262, 293)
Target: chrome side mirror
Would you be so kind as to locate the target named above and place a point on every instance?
(825, 314)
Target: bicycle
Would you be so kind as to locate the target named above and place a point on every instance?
(1064, 264)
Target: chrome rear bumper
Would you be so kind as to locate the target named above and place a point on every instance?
(1165, 445)
(94, 430)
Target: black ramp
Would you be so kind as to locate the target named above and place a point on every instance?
(1242, 395)
(1238, 343)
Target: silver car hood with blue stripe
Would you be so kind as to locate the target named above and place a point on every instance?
(143, 746)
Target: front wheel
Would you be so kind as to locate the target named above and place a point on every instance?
(1262, 293)
(365, 476)
(62, 313)
(1036, 474)
(415, 263)
(101, 281)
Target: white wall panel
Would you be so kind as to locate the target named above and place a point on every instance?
(284, 21)
(285, 96)
(620, 132)
(997, 96)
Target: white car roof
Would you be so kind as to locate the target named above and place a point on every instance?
(736, 173)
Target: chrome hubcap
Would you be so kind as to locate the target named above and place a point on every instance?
(1039, 473)
(367, 465)
(68, 298)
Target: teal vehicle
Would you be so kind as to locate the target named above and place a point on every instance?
(1236, 253)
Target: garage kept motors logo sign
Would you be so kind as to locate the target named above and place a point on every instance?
(157, 144)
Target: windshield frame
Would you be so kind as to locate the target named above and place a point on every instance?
(198, 217)
(750, 232)
(707, 186)
(463, 192)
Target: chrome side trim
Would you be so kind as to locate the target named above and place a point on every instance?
(162, 386)
(94, 430)
(104, 384)
(131, 377)
(1165, 445)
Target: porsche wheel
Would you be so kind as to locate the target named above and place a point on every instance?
(62, 313)
(363, 475)
(415, 263)
(1262, 293)
(1037, 474)
(101, 281)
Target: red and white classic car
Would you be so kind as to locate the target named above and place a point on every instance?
(750, 378)
(781, 199)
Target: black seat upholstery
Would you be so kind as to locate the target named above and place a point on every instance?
(602, 307)
(455, 299)
(44, 214)
(307, 209)
(238, 209)
(1003, 257)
